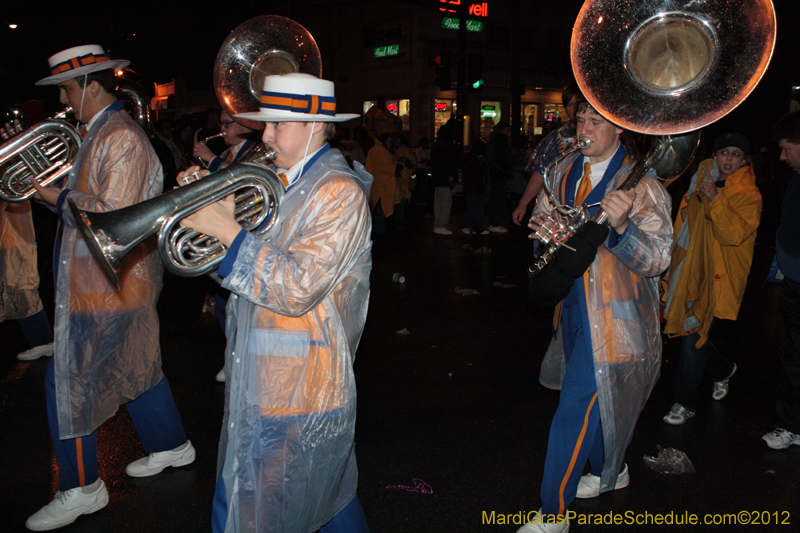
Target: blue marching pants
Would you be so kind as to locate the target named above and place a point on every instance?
(351, 519)
(154, 415)
(576, 433)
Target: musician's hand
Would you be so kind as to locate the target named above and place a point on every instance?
(201, 151)
(709, 188)
(536, 223)
(618, 204)
(217, 220)
(191, 174)
(46, 194)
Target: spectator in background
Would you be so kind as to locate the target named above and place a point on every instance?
(383, 166)
(474, 175)
(501, 171)
(787, 245)
(444, 175)
(407, 164)
(422, 191)
(715, 233)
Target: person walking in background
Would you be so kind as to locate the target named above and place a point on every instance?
(474, 176)
(501, 171)
(787, 246)
(383, 195)
(444, 175)
(715, 233)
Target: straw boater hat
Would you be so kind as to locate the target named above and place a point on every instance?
(297, 97)
(78, 61)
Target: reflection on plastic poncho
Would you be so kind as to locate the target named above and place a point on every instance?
(622, 302)
(294, 321)
(106, 341)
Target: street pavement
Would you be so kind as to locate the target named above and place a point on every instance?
(452, 422)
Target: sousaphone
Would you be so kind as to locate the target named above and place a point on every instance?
(665, 68)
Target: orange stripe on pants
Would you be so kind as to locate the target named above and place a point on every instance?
(575, 451)
(79, 451)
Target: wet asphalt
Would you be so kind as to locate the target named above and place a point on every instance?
(452, 423)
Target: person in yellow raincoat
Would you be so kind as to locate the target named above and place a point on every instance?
(106, 341)
(715, 233)
(384, 194)
(407, 161)
(609, 322)
(294, 319)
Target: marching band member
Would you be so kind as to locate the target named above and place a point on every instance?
(106, 341)
(609, 322)
(294, 320)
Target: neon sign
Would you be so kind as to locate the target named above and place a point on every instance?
(440, 107)
(475, 10)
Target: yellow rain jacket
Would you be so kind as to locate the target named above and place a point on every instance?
(382, 164)
(708, 278)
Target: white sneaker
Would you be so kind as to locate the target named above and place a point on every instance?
(498, 229)
(721, 387)
(67, 506)
(589, 485)
(45, 350)
(678, 415)
(780, 439)
(466, 231)
(441, 230)
(156, 462)
(220, 375)
(544, 527)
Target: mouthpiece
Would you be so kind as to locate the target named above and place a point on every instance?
(584, 143)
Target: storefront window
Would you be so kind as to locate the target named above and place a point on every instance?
(398, 108)
(530, 121)
(555, 114)
(443, 110)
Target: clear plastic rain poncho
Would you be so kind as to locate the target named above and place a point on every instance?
(19, 277)
(106, 341)
(622, 302)
(294, 320)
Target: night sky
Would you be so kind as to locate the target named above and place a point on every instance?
(166, 40)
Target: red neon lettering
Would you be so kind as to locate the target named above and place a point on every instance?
(450, 2)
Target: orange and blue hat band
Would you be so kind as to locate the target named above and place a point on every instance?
(310, 104)
(77, 62)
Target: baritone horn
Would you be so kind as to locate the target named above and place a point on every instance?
(43, 152)
(664, 68)
(185, 252)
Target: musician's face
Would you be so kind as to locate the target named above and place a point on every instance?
(790, 152)
(729, 160)
(289, 139)
(69, 94)
(603, 134)
(234, 132)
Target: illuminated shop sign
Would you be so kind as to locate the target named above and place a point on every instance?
(475, 10)
(386, 51)
(488, 111)
(440, 107)
(392, 107)
(449, 23)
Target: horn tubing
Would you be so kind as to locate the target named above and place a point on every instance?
(112, 235)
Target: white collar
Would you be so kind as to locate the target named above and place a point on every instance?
(293, 173)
